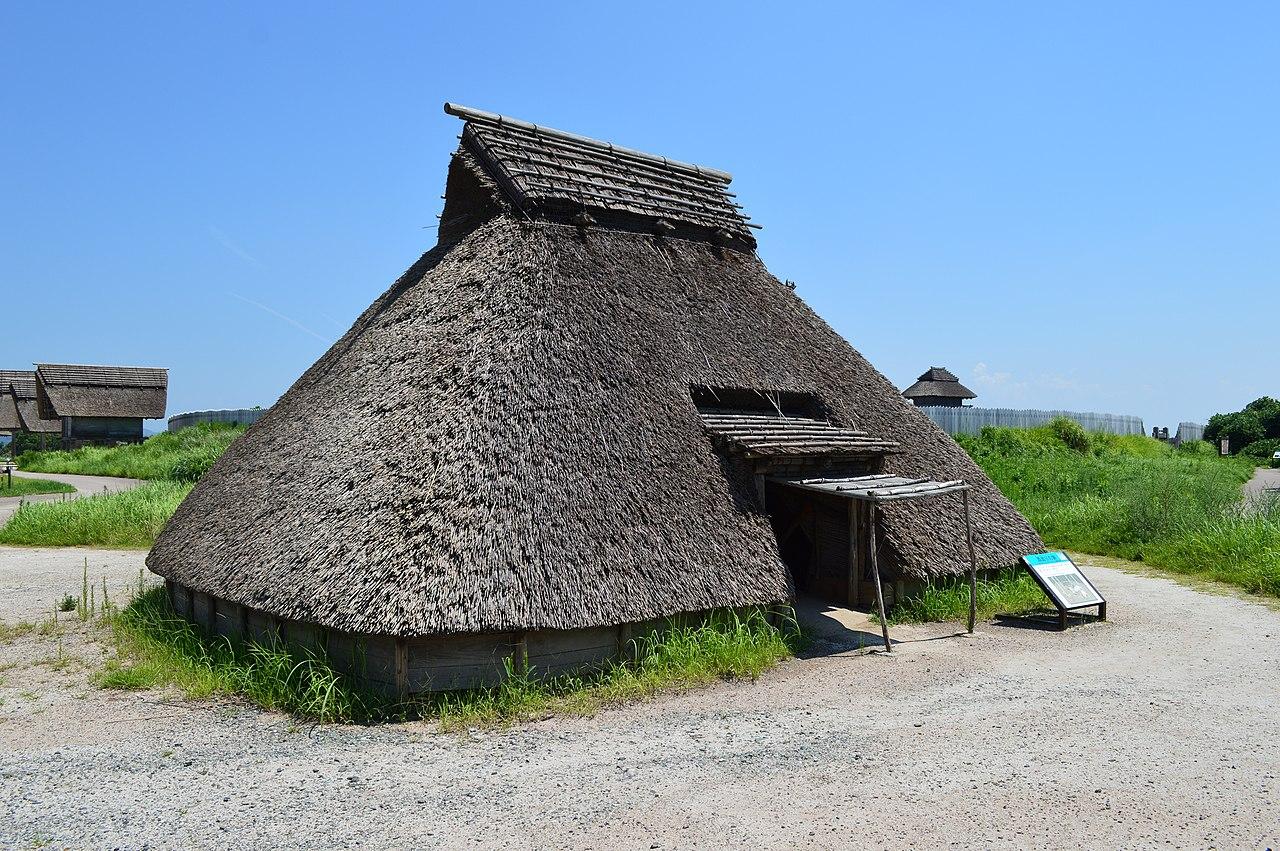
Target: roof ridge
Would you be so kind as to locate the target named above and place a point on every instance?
(467, 113)
(104, 366)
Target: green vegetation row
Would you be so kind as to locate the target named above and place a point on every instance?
(1253, 432)
(182, 455)
(24, 487)
(156, 647)
(127, 520)
(1136, 498)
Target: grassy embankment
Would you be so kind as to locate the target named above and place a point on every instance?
(155, 647)
(25, 487)
(172, 461)
(1130, 497)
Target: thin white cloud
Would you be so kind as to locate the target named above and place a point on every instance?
(295, 323)
(983, 376)
(226, 242)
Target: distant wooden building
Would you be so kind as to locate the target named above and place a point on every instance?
(100, 405)
(938, 387)
(18, 410)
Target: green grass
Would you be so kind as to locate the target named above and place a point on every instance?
(1136, 498)
(1011, 592)
(155, 647)
(23, 486)
(127, 520)
(182, 455)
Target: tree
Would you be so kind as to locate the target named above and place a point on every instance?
(1241, 428)
(1268, 412)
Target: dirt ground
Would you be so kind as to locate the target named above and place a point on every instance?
(1265, 481)
(1159, 728)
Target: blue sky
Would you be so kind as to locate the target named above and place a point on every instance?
(1071, 206)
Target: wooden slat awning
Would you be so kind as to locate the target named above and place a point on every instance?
(878, 488)
(762, 435)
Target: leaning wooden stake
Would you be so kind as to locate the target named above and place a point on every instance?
(973, 564)
(875, 577)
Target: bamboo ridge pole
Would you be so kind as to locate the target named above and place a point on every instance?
(875, 577)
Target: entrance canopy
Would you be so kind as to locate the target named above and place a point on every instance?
(885, 487)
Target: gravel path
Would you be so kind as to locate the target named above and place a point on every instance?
(84, 485)
(1265, 479)
(1158, 728)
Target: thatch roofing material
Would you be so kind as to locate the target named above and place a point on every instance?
(529, 455)
(938, 381)
(27, 408)
(9, 421)
(18, 403)
(77, 390)
(539, 168)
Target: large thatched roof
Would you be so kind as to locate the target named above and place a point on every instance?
(506, 439)
(79, 390)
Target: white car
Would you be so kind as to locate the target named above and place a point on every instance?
(1275, 456)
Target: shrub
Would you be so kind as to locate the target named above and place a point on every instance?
(1262, 450)
(1071, 433)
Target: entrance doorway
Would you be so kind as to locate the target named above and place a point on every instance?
(817, 542)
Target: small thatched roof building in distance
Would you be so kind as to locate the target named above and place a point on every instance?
(18, 409)
(579, 414)
(100, 404)
(9, 422)
(938, 386)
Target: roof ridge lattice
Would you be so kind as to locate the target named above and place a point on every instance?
(548, 171)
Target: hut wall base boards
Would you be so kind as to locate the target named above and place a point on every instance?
(431, 663)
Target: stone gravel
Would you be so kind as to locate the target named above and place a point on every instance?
(1159, 728)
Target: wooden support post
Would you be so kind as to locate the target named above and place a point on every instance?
(624, 643)
(520, 654)
(875, 577)
(852, 594)
(973, 563)
(402, 667)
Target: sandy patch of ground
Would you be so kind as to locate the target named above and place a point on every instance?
(1159, 727)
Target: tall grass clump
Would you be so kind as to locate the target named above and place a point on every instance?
(127, 520)
(1135, 498)
(182, 455)
(155, 647)
(23, 486)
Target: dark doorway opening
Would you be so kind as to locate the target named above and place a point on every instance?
(816, 540)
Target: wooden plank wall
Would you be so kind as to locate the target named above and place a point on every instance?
(434, 663)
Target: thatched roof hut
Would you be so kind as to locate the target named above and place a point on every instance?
(100, 404)
(555, 423)
(80, 390)
(938, 386)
